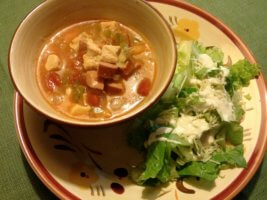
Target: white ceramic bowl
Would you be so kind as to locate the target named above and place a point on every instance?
(54, 15)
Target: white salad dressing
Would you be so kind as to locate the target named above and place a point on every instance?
(225, 71)
(214, 98)
(191, 127)
(206, 61)
(219, 100)
(156, 136)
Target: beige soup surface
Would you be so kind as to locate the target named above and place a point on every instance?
(96, 70)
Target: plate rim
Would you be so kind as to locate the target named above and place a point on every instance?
(32, 158)
(230, 191)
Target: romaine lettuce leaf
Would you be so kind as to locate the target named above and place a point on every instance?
(238, 105)
(234, 133)
(208, 170)
(231, 157)
(168, 117)
(182, 72)
(231, 132)
(215, 53)
(168, 170)
(154, 161)
(159, 166)
(240, 75)
(173, 156)
(184, 54)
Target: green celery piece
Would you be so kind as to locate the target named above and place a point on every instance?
(154, 161)
(78, 91)
(65, 78)
(107, 33)
(120, 39)
(208, 170)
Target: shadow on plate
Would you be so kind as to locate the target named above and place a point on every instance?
(98, 159)
(201, 183)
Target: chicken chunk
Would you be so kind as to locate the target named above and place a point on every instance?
(53, 63)
(92, 47)
(111, 25)
(107, 70)
(114, 88)
(93, 81)
(110, 53)
(90, 62)
(79, 110)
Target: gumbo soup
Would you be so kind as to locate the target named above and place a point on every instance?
(96, 70)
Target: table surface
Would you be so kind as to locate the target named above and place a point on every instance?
(248, 18)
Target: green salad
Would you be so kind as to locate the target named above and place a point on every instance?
(194, 130)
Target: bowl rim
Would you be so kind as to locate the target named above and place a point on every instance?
(122, 118)
(227, 193)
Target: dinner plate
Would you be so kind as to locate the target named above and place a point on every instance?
(94, 163)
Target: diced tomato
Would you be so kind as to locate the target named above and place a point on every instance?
(93, 99)
(53, 81)
(144, 87)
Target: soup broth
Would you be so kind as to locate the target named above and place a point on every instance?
(96, 70)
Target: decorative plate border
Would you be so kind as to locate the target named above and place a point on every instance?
(31, 156)
(233, 189)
